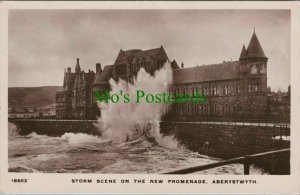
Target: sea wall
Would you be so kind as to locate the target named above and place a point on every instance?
(54, 127)
(224, 140)
(227, 140)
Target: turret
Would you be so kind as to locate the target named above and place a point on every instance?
(254, 51)
(77, 69)
(243, 53)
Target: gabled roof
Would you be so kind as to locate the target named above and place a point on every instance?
(125, 57)
(105, 75)
(222, 71)
(254, 48)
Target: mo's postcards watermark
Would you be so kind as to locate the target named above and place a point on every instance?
(142, 97)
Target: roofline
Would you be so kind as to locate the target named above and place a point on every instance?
(207, 81)
(145, 49)
(206, 65)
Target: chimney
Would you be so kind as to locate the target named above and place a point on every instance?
(182, 65)
(69, 69)
(98, 67)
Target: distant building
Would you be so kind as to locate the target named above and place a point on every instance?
(47, 111)
(279, 104)
(233, 89)
(23, 112)
(75, 99)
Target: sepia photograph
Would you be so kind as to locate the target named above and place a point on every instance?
(159, 91)
(149, 97)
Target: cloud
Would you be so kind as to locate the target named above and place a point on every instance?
(44, 42)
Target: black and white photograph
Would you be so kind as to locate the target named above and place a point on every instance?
(149, 91)
(149, 97)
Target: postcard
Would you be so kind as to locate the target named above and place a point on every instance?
(149, 97)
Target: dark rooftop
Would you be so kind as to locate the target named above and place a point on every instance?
(127, 56)
(105, 75)
(254, 48)
(222, 71)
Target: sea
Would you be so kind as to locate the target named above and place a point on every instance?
(83, 153)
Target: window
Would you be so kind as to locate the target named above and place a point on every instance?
(215, 90)
(238, 89)
(249, 88)
(205, 90)
(256, 88)
(226, 89)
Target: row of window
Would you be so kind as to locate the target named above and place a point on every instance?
(196, 110)
(214, 90)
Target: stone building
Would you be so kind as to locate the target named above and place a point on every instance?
(129, 62)
(233, 89)
(126, 67)
(75, 99)
(23, 112)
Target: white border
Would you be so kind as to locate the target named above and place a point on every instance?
(61, 183)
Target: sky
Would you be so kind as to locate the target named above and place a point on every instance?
(42, 43)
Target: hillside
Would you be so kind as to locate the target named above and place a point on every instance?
(32, 96)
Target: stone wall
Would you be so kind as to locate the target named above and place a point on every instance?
(225, 141)
(55, 127)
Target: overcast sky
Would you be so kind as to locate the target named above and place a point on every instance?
(44, 42)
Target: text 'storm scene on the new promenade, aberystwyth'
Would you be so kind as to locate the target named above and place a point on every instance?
(149, 91)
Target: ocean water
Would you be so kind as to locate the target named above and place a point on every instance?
(83, 153)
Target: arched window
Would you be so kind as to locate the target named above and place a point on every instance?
(238, 88)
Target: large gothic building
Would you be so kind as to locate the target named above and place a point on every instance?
(233, 89)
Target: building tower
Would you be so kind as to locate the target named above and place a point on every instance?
(253, 69)
(254, 51)
(77, 69)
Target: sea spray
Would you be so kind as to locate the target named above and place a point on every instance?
(12, 130)
(127, 121)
